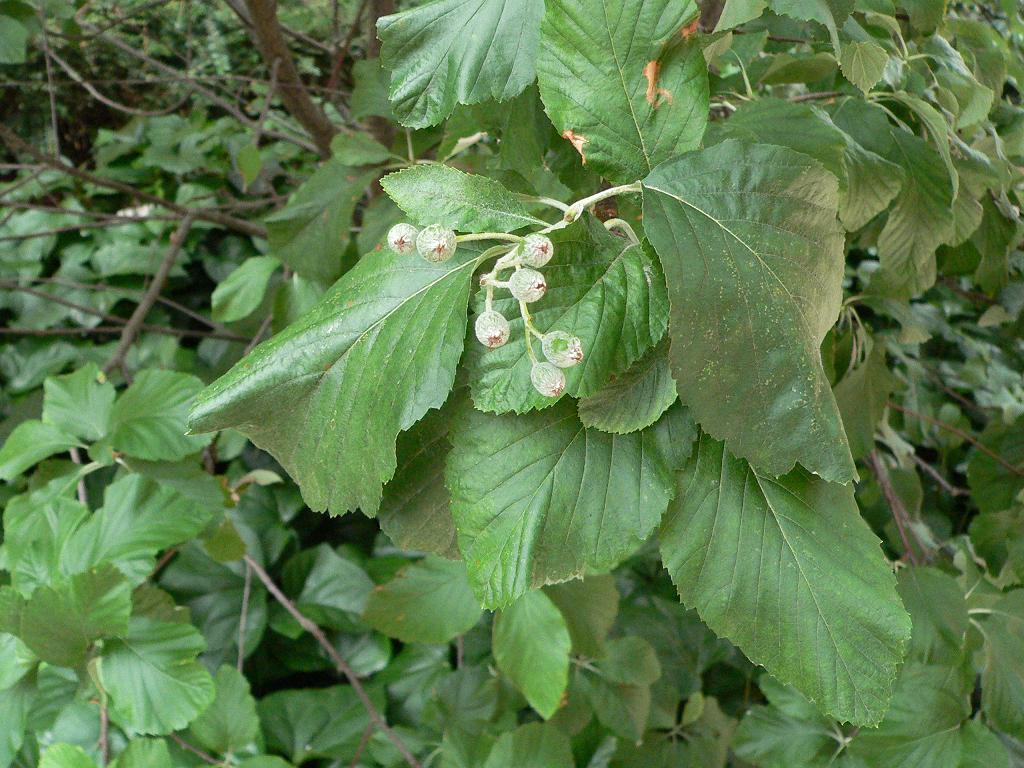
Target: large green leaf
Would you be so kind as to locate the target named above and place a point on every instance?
(427, 602)
(862, 395)
(58, 623)
(531, 647)
(1002, 678)
(540, 498)
(310, 233)
(589, 607)
(230, 724)
(329, 395)
(439, 194)
(602, 288)
(79, 403)
(450, 52)
(155, 684)
(143, 431)
(241, 292)
(787, 570)
(29, 443)
(620, 81)
(316, 723)
(533, 745)
(994, 486)
(138, 519)
(753, 257)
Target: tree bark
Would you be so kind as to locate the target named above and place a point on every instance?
(270, 40)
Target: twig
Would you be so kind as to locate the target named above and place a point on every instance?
(47, 56)
(165, 558)
(244, 616)
(164, 330)
(17, 144)
(258, 336)
(339, 58)
(132, 327)
(961, 434)
(76, 457)
(363, 741)
(204, 756)
(815, 96)
(271, 43)
(899, 511)
(951, 489)
(104, 740)
(340, 664)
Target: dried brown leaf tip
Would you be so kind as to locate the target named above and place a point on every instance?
(690, 29)
(577, 142)
(655, 95)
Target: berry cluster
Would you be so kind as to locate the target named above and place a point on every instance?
(526, 284)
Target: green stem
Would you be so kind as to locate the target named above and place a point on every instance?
(487, 236)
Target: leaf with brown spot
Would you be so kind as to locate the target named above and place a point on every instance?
(577, 142)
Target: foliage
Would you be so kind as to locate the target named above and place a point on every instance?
(659, 369)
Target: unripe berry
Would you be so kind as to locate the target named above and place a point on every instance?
(562, 349)
(436, 243)
(402, 238)
(547, 379)
(527, 285)
(492, 329)
(537, 250)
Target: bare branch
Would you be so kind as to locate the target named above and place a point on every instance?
(270, 40)
(340, 664)
(899, 511)
(132, 327)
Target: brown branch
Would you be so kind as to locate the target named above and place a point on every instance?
(117, 329)
(899, 511)
(17, 144)
(204, 756)
(816, 95)
(943, 483)
(270, 40)
(104, 739)
(340, 664)
(363, 741)
(134, 324)
(243, 617)
(1019, 471)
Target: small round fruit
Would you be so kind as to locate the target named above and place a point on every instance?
(537, 250)
(492, 329)
(402, 238)
(436, 243)
(547, 379)
(527, 285)
(562, 349)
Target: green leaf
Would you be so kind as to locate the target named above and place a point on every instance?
(138, 519)
(535, 745)
(249, 163)
(415, 512)
(924, 726)
(154, 682)
(358, 149)
(863, 62)
(332, 590)
(938, 612)
(993, 486)
(310, 233)
(620, 82)
(789, 732)
(65, 756)
(589, 607)
(938, 129)
(230, 724)
(13, 40)
(635, 399)
(79, 403)
(29, 443)
(242, 291)
(753, 257)
(789, 572)
(144, 431)
(15, 704)
(581, 499)
(604, 289)
(145, 753)
(59, 623)
(831, 13)
(738, 12)
(531, 647)
(429, 601)
(452, 52)
(1002, 677)
(440, 194)
(318, 723)
(862, 395)
(871, 184)
(329, 395)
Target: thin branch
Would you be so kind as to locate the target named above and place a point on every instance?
(816, 96)
(17, 144)
(899, 511)
(244, 617)
(340, 664)
(117, 329)
(1019, 471)
(132, 327)
(947, 486)
(83, 497)
(47, 56)
(204, 756)
(258, 336)
(270, 40)
(363, 741)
